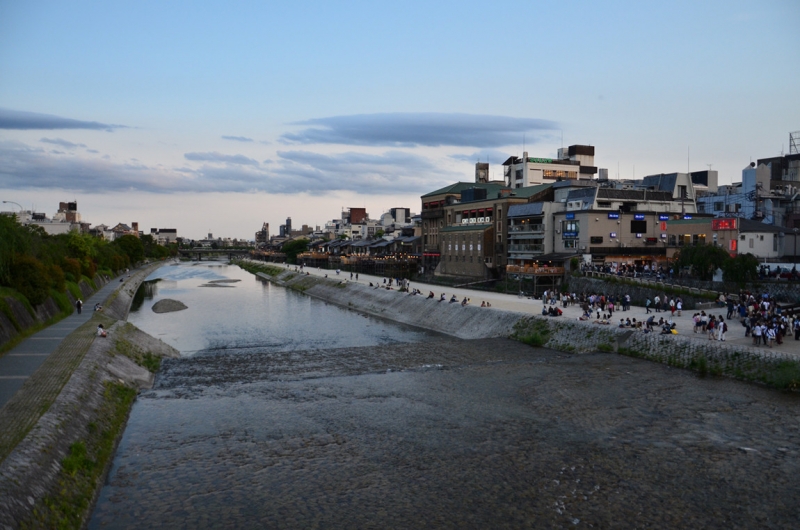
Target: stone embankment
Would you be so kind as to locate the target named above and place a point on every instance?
(16, 317)
(777, 369)
(60, 429)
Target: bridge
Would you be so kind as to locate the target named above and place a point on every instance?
(200, 252)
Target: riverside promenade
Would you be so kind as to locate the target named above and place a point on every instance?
(18, 364)
(510, 302)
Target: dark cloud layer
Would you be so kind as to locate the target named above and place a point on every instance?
(63, 143)
(418, 129)
(221, 158)
(492, 156)
(237, 138)
(22, 120)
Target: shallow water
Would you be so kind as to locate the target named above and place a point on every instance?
(251, 315)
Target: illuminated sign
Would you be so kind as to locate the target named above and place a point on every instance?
(732, 245)
(638, 217)
(570, 216)
(570, 235)
(639, 235)
(663, 225)
(687, 216)
(663, 217)
(723, 224)
(612, 235)
(613, 216)
(663, 236)
(540, 160)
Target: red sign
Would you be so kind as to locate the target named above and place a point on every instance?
(663, 226)
(732, 245)
(723, 224)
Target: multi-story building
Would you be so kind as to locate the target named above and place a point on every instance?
(573, 163)
(433, 215)
(164, 236)
(734, 234)
(474, 237)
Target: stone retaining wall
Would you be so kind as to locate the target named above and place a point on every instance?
(713, 357)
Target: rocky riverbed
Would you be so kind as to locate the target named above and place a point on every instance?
(485, 433)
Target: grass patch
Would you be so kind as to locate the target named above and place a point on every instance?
(269, 270)
(532, 331)
(605, 347)
(82, 469)
(75, 290)
(785, 376)
(146, 359)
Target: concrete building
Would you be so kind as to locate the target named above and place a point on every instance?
(164, 236)
(474, 238)
(573, 163)
(734, 234)
(262, 236)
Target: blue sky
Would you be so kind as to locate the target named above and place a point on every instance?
(217, 116)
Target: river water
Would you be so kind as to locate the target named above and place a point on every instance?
(285, 412)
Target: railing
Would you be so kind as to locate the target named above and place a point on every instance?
(526, 228)
(525, 248)
(534, 270)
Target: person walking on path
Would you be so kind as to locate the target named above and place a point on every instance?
(796, 328)
(79, 305)
(647, 305)
(657, 301)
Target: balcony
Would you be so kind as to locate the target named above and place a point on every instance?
(433, 214)
(525, 228)
(526, 248)
(534, 270)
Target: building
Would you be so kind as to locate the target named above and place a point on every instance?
(474, 236)
(573, 163)
(262, 236)
(734, 234)
(164, 236)
(433, 214)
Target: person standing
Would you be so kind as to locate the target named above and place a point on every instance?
(796, 328)
(722, 327)
(79, 305)
(679, 306)
(657, 302)
(647, 305)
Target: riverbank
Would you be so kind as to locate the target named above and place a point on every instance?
(60, 429)
(513, 317)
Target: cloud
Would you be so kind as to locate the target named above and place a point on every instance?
(292, 171)
(393, 171)
(22, 120)
(95, 151)
(221, 158)
(418, 129)
(237, 138)
(493, 156)
(63, 143)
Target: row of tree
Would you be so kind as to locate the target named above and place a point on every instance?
(33, 262)
(704, 261)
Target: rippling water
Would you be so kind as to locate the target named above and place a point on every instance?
(251, 315)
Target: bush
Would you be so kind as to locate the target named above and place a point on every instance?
(30, 278)
(72, 269)
(57, 278)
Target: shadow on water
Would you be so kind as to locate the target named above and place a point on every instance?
(146, 291)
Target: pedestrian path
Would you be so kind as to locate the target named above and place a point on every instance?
(19, 363)
(511, 302)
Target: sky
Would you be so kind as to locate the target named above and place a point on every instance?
(215, 117)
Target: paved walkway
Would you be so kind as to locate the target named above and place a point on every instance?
(510, 302)
(18, 364)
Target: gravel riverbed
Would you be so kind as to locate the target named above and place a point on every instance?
(449, 433)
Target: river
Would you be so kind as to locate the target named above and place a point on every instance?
(285, 412)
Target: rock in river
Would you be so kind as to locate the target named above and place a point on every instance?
(168, 306)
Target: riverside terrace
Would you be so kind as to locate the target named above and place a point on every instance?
(508, 302)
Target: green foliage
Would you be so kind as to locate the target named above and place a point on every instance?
(293, 248)
(605, 347)
(72, 268)
(57, 278)
(253, 268)
(14, 239)
(81, 471)
(74, 289)
(533, 332)
(131, 246)
(741, 269)
(703, 259)
(30, 278)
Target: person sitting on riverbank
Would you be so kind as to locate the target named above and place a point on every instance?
(442, 298)
(101, 332)
(453, 299)
(431, 295)
(98, 307)
(464, 302)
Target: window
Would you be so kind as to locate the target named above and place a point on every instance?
(751, 242)
(682, 192)
(719, 206)
(603, 204)
(775, 242)
(596, 240)
(570, 243)
(638, 227)
(701, 207)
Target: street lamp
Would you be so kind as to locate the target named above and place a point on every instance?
(19, 216)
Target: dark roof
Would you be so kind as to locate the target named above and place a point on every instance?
(662, 182)
(633, 195)
(458, 187)
(525, 210)
(584, 193)
(748, 225)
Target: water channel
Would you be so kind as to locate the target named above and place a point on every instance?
(285, 412)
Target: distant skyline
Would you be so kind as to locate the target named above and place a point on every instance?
(218, 117)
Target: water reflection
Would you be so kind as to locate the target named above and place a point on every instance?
(251, 315)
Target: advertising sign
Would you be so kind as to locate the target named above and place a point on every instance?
(613, 216)
(638, 217)
(570, 215)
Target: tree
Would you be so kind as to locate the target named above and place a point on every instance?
(703, 259)
(293, 248)
(379, 234)
(741, 269)
(132, 247)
